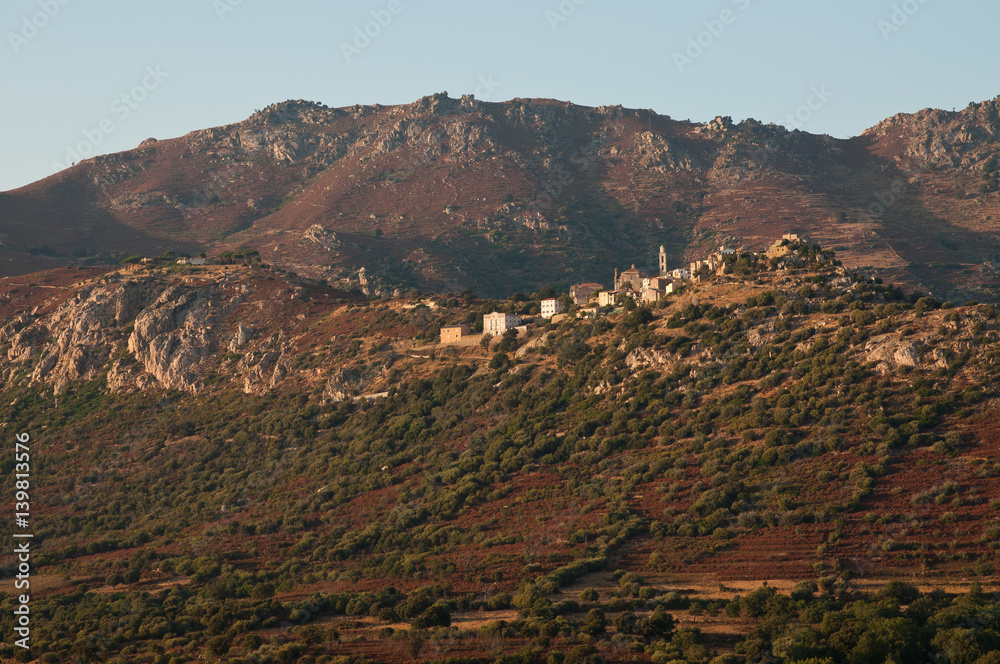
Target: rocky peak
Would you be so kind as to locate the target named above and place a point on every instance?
(295, 111)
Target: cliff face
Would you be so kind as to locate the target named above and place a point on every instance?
(260, 331)
(157, 332)
(453, 193)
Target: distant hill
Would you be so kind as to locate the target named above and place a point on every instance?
(444, 194)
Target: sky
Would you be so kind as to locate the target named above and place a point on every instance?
(83, 78)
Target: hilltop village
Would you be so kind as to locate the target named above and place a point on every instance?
(633, 287)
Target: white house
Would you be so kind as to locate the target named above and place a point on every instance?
(681, 273)
(551, 307)
(497, 323)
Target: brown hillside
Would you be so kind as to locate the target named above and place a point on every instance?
(447, 194)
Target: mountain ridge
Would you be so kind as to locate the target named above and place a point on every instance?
(445, 193)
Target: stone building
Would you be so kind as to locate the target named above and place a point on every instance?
(656, 283)
(651, 296)
(497, 323)
(630, 279)
(581, 293)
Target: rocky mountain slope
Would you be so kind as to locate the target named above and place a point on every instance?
(452, 193)
(233, 463)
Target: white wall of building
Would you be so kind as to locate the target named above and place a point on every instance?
(551, 307)
(497, 323)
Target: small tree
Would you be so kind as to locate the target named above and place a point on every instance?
(499, 362)
(509, 341)
(596, 623)
(414, 646)
(659, 625)
(252, 642)
(437, 615)
(804, 590)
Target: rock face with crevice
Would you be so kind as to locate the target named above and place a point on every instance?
(174, 334)
(147, 332)
(891, 351)
(77, 340)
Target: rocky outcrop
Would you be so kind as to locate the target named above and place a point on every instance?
(933, 136)
(263, 370)
(172, 336)
(532, 343)
(647, 358)
(761, 335)
(891, 351)
(347, 382)
(22, 337)
(323, 237)
(663, 155)
(139, 332)
(83, 333)
(244, 333)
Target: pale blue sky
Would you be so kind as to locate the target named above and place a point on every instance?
(219, 60)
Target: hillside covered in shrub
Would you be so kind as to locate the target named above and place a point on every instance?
(789, 463)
